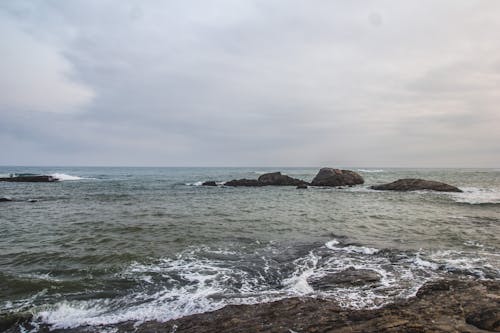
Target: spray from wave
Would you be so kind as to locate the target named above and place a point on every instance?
(63, 177)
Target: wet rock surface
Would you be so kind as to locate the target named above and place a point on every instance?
(410, 184)
(4, 199)
(441, 306)
(209, 183)
(347, 277)
(336, 177)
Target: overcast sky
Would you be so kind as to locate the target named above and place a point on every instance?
(250, 83)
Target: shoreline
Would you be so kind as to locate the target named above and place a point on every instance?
(440, 306)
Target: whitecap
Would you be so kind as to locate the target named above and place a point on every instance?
(371, 170)
(350, 248)
(63, 177)
(194, 184)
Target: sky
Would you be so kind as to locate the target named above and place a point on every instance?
(250, 83)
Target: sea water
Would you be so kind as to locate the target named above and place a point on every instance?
(106, 245)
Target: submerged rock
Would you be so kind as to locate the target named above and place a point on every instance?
(347, 277)
(336, 177)
(209, 183)
(5, 199)
(411, 184)
(302, 186)
(273, 178)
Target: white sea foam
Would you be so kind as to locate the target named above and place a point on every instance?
(371, 170)
(297, 282)
(190, 283)
(474, 196)
(199, 183)
(350, 248)
(63, 177)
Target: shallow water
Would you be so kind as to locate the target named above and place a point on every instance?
(112, 244)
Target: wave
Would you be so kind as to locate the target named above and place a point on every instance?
(194, 184)
(371, 170)
(63, 177)
(477, 196)
(200, 183)
(200, 280)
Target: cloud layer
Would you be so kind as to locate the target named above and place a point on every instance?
(250, 83)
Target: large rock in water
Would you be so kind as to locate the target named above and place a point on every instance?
(243, 182)
(273, 178)
(276, 178)
(336, 177)
(410, 184)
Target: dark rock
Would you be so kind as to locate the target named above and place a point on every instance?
(302, 186)
(486, 319)
(244, 182)
(277, 179)
(209, 183)
(12, 319)
(410, 184)
(32, 200)
(348, 277)
(30, 179)
(336, 177)
(274, 178)
(5, 199)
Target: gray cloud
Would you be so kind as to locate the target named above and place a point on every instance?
(252, 83)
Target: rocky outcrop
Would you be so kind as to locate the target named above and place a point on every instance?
(440, 306)
(336, 177)
(209, 183)
(4, 199)
(273, 178)
(410, 184)
(243, 182)
(277, 179)
(30, 179)
(348, 277)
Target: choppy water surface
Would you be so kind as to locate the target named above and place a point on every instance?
(112, 244)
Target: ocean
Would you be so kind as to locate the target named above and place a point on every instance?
(107, 245)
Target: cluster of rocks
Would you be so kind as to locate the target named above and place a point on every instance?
(325, 177)
(439, 306)
(330, 177)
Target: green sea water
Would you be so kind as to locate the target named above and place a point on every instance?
(105, 245)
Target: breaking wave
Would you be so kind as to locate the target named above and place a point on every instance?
(64, 177)
(200, 280)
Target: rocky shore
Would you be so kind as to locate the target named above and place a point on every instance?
(439, 306)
